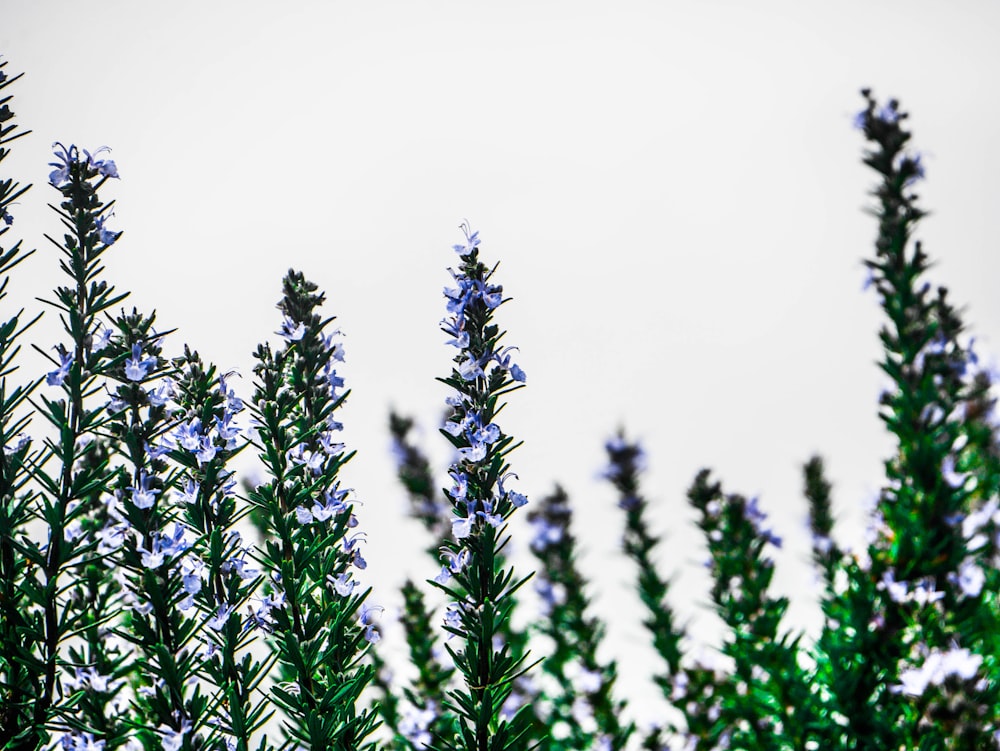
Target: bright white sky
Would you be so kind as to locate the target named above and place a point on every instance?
(674, 192)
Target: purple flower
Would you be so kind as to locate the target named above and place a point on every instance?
(175, 544)
(192, 569)
(107, 236)
(221, 617)
(343, 584)
(188, 435)
(494, 520)
(206, 451)
(106, 167)
(137, 368)
(453, 617)
(190, 492)
(462, 528)
(162, 394)
(371, 633)
(83, 742)
(154, 557)
(470, 369)
(142, 496)
(102, 340)
(227, 431)
(57, 376)
(64, 158)
(291, 331)
(5, 217)
(173, 740)
(471, 241)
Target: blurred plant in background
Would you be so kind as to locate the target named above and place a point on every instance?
(146, 603)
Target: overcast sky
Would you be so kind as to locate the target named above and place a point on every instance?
(673, 190)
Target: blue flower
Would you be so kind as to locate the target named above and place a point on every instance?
(492, 296)
(83, 742)
(5, 217)
(188, 435)
(291, 331)
(102, 339)
(233, 403)
(888, 114)
(142, 496)
(474, 453)
(65, 157)
(162, 394)
(460, 487)
(494, 520)
(105, 167)
(192, 569)
(462, 528)
(177, 543)
(471, 241)
(107, 236)
(227, 431)
(57, 376)
(173, 740)
(453, 617)
(366, 617)
(343, 584)
(137, 368)
(156, 450)
(221, 617)
(21, 440)
(154, 558)
(207, 451)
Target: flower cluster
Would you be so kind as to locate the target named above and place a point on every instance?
(473, 575)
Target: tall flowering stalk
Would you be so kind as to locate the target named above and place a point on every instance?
(319, 623)
(911, 627)
(218, 575)
(184, 569)
(585, 705)
(479, 586)
(18, 689)
(73, 470)
(692, 689)
(767, 703)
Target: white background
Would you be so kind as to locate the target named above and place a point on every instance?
(674, 191)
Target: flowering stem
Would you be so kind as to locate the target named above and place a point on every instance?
(307, 550)
(577, 637)
(83, 213)
(15, 502)
(480, 586)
